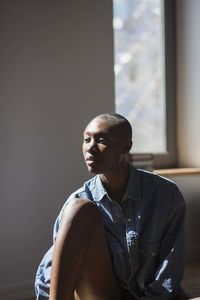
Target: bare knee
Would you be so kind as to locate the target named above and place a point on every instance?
(81, 211)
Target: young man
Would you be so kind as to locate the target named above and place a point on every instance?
(121, 235)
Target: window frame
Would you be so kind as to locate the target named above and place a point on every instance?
(168, 159)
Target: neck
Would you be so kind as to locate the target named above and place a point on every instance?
(116, 182)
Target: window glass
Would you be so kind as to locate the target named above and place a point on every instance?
(139, 71)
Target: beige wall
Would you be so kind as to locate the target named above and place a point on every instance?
(56, 73)
(188, 108)
(188, 84)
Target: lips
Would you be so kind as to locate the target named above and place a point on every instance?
(91, 159)
(93, 163)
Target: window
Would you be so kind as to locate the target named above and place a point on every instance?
(143, 47)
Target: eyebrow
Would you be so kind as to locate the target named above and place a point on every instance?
(96, 134)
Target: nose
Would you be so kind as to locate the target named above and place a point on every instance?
(92, 146)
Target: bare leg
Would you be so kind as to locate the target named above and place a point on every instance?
(81, 259)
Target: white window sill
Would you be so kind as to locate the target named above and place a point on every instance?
(178, 172)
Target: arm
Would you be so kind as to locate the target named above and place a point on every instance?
(172, 253)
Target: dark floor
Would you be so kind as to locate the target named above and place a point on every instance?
(191, 280)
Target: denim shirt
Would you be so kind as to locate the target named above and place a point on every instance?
(145, 235)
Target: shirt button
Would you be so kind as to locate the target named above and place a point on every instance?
(153, 253)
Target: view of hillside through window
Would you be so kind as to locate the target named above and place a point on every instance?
(139, 71)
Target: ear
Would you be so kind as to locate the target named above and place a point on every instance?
(128, 146)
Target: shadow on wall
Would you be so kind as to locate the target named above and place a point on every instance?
(190, 188)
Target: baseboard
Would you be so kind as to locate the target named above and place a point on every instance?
(193, 253)
(17, 291)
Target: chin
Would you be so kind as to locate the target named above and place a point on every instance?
(94, 170)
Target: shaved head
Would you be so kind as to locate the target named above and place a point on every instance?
(118, 123)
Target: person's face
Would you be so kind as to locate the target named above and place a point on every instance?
(103, 147)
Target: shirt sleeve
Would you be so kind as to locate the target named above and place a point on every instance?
(171, 254)
(59, 218)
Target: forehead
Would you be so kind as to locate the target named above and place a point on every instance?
(100, 126)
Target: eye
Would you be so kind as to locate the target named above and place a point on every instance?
(102, 140)
(86, 140)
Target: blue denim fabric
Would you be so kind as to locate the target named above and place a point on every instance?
(145, 235)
